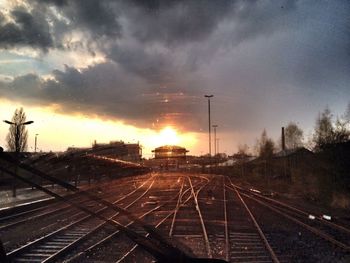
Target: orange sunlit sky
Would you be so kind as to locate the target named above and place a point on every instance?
(137, 71)
(58, 131)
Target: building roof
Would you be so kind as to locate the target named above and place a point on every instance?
(289, 152)
(169, 148)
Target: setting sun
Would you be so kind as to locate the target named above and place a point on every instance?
(168, 136)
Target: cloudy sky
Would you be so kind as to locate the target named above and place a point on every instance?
(110, 70)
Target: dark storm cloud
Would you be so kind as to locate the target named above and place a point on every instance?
(97, 19)
(177, 22)
(28, 29)
(257, 57)
(173, 22)
(153, 66)
(102, 90)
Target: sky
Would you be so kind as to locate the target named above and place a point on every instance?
(138, 70)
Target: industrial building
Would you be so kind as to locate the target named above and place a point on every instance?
(115, 149)
(119, 150)
(170, 152)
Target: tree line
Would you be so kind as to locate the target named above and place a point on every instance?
(327, 131)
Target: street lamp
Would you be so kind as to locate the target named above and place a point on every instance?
(36, 140)
(17, 126)
(209, 124)
(215, 149)
(17, 146)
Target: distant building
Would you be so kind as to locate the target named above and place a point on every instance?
(170, 152)
(119, 150)
(168, 157)
(300, 152)
(114, 149)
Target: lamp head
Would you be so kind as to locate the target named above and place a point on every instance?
(9, 122)
(27, 122)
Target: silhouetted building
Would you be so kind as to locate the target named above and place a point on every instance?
(114, 149)
(119, 150)
(170, 152)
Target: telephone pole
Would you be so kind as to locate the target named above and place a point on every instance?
(215, 148)
(36, 140)
(209, 124)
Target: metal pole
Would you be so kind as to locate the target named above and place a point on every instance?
(209, 127)
(209, 122)
(215, 149)
(17, 138)
(36, 135)
(14, 187)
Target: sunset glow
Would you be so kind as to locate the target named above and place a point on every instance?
(58, 131)
(137, 71)
(168, 136)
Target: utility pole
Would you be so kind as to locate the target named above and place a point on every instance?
(209, 123)
(215, 126)
(217, 147)
(36, 135)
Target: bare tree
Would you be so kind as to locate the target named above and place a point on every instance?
(324, 129)
(242, 156)
(243, 149)
(266, 146)
(327, 133)
(346, 116)
(294, 136)
(341, 131)
(19, 130)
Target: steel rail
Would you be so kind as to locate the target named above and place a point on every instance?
(25, 220)
(176, 208)
(18, 250)
(205, 234)
(261, 233)
(179, 204)
(15, 215)
(319, 219)
(116, 232)
(227, 242)
(75, 197)
(308, 227)
(157, 245)
(99, 226)
(69, 206)
(160, 222)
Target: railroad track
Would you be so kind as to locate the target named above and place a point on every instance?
(52, 217)
(187, 224)
(157, 214)
(51, 245)
(247, 241)
(26, 213)
(203, 216)
(304, 234)
(211, 201)
(336, 234)
(167, 221)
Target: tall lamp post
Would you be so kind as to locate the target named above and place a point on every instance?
(36, 140)
(209, 124)
(215, 149)
(17, 148)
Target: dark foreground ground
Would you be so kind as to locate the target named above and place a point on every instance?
(201, 215)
